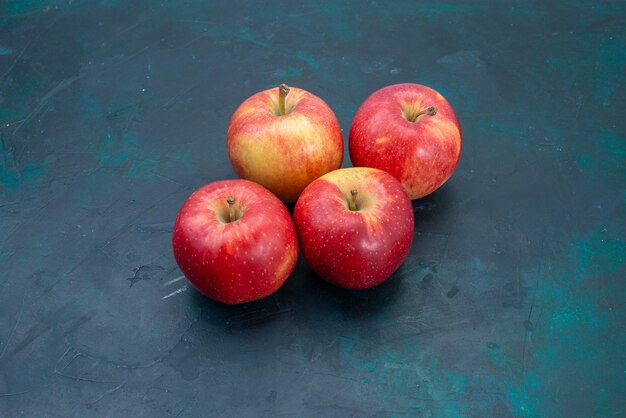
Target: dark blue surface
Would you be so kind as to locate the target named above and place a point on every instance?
(511, 302)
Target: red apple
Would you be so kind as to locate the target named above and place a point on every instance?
(284, 138)
(411, 132)
(235, 241)
(355, 226)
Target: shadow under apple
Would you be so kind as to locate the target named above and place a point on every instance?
(435, 211)
(243, 316)
(324, 296)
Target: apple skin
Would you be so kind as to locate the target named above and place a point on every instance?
(284, 153)
(240, 261)
(421, 154)
(354, 249)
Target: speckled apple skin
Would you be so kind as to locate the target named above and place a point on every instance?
(239, 261)
(354, 249)
(284, 153)
(421, 154)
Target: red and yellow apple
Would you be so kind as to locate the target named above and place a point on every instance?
(355, 226)
(284, 138)
(235, 241)
(410, 131)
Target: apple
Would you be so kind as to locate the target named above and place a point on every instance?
(355, 226)
(235, 241)
(284, 138)
(411, 132)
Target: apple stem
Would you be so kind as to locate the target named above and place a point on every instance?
(283, 90)
(231, 208)
(430, 111)
(352, 202)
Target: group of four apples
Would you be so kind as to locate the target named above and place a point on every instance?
(235, 240)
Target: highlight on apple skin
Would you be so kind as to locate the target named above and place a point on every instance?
(410, 131)
(355, 226)
(284, 138)
(235, 241)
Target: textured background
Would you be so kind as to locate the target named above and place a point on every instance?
(511, 302)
